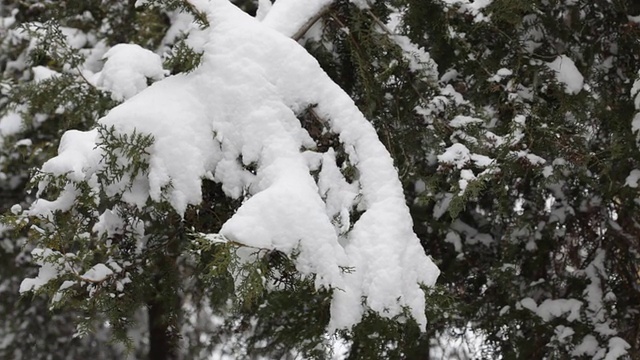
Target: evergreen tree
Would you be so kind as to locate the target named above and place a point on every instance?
(531, 180)
(512, 125)
(123, 222)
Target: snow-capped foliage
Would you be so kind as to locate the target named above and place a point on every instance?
(236, 110)
(237, 202)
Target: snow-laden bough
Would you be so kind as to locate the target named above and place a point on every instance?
(238, 108)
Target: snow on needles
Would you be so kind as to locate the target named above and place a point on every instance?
(238, 108)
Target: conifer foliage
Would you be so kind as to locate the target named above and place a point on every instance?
(266, 178)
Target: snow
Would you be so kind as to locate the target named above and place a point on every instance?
(238, 108)
(588, 346)
(504, 72)
(109, 223)
(41, 73)
(24, 142)
(78, 160)
(635, 123)
(594, 312)
(563, 332)
(635, 93)
(547, 171)
(97, 273)
(339, 195)
(456, 154)
(289, 16)
(617, 348)
(77, 155)
(466, 176)
(442, 205)
(48, 271)
(532, 158)
(567, 73)
(10, 124)
(64, 202)
(593, 293)
(176, 115)
(454, 239)
(472, 235)
(419, 59)
(529, 303)
(76, 38)
(474, 7)
(7, 22)
(126, 70)
(553, 308)
(65, 285)
(481, 161)
(264, 6)
(462, 121)
(500, 75)
(459, 155)
(632, 179)
(181, 23)
(16, 209)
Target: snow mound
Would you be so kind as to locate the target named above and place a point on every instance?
(126, 70)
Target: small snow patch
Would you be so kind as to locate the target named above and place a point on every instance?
(568, 74)
(632, 179)
(97, 273)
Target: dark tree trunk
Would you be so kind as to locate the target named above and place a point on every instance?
(163, 342)
(164, 305)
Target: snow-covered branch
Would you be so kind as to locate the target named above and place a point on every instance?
(237, 111)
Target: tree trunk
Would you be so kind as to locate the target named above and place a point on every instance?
(164, 306)
(163, 341)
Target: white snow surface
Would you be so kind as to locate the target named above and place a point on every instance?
(472, 6)
(462, 121)
(459, 155)
(238, 108)
(48, 271)
(567, 73)
(97, 273)
(41, 73)
(288, 16)
(633, 178)
(617, 348)
(10, 124)
(553, 308)
(419, 59)
(588, 346)
(263, 9)
(635, 94)
(126, 70)
(77, 157)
